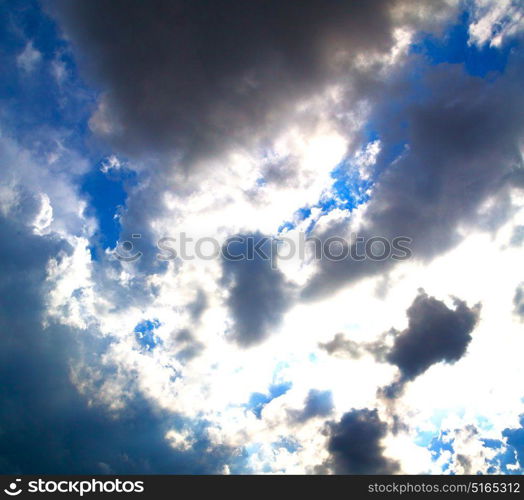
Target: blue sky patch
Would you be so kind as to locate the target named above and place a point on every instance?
(107, 194)
(258, 400)
(453, 48)
(439, 444)
(145, 334)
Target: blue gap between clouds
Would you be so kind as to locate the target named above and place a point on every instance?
(107, 195)
(349, 190)
(258, 400)
(514, 451)
(278, 387)
(453, 48)
(288, 443)
(438, 445)
(30, 100)
(145, 334)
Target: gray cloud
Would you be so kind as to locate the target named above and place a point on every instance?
(355, 445)
(193, 77)
(435, 333)
(258, 293)
(517, 238)
(186, 346)
(343, 347)
(317, 404)
(47, 426)
(464, 134)
(518, 300)
(199, 305)
(464, 462)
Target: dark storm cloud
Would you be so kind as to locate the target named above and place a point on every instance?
(355, 445)
(197, 76)
(317, 404)
(435, 333)
(47, 427)
(463, 136)
(258, 293)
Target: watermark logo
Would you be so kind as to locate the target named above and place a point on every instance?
(13, 489)
(125, 250)
(73, 487)
(283, 248)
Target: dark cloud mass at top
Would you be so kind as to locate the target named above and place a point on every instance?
(190, 79)
(194, 77)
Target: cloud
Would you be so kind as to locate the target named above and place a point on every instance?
(25, 176)
(28, 58)
(355, 444)
(343, 347)
(199, 305)
(495, 21)
(187, 346)
(47, 426)
(517, 238)
(50, 423)
(437, 188)
(258, 293)
(518, 301)
(317, 404)
(192, 78)
(435, 333)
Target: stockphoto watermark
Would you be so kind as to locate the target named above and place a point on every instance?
(257, 247)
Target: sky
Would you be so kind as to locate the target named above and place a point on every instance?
(191, 198)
